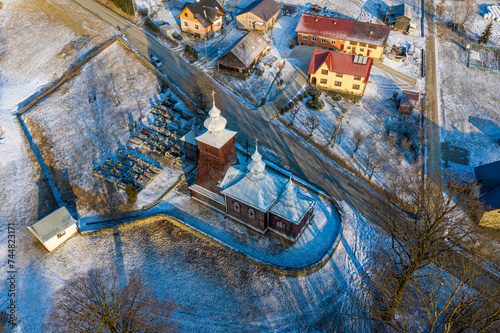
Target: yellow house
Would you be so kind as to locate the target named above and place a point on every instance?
(339, 71)
(202, 18)
(260, 15)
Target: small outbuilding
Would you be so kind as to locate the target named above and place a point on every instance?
(408, 102)
(398, 17)
(166, 29)
(259, 15)
(190, 146)
(54, 229)
(243, 55)
(488, 177)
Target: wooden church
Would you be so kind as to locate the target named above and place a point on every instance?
(249, 194)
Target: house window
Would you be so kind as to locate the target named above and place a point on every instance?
(372, 47)
(62, 233)
(355, 86)
(322, 81)
(357, 78)
(186, 23)
(324, 71)
(348, 47)
(218, 24)
(333, 42)
(314, 38)
(362, 45)
(339, 74)
(323, 40)
(251, 213)
(338, 83)
(281, 224)
(361, 50)
(197, 27)
(304, 37)
(353, 43)
(185, 14)
(236, 207)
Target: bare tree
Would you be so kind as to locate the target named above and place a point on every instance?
(294, 111)
(431, 224)
(98, 302)
(200, 88)
(462, 13)
(333, 138)
(312, 123)
(359, 138)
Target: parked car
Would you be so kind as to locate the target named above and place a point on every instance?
(177, 36)
(156, 61)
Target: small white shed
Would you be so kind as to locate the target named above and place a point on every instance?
(166, 29)
(55, 228)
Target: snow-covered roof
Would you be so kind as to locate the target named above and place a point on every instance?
(257, 188)
(52, 224)
(209, 194)
(216, 135)
(292, 205)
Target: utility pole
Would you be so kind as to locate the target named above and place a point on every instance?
(206, 54)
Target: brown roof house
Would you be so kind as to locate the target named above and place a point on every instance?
(398, 17)
(408, 102)
(202, 18)
(345, 36)
(250, 194)
(243, 55)
(259, 15)
(488, 177)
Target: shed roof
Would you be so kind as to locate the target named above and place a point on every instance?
(205, 11)
(340, 63)
(247, 48)
(362, 32)
(409, 99)
(52, 224)
(491, 199)
(264, 9)
(399, 10)
(490, 171)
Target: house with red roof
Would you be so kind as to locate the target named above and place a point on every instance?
(346, 36)
(339, 71)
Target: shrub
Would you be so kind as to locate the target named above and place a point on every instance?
(295, 100)
(287, 108)
(151, 25)
(306, 93)
(263, 101)
(301, 97)
(282, 111)
(290, 105)
(281, 82)
(131, 192)
(143, 11)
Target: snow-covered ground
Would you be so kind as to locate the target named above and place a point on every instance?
(365, 118)
(470, 99)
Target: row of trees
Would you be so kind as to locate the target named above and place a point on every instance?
(126, 5)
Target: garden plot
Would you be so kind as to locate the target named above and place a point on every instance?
(390, 145)
(469, 117)
(79, 126)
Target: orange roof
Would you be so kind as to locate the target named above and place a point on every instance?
(339, 63)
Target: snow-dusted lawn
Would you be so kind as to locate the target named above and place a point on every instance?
(205, 281)
(365, 118)
(470, 99)
(75, 136)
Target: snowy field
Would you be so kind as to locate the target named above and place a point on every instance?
(470, 99)
(75, 136)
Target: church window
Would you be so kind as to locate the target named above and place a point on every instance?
(251, 213)
(236, 207)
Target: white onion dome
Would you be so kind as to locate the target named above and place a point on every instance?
(257, 166)
(290, 195)
(215, 123)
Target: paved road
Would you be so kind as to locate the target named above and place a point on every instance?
(249, 123)
(433, 142)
